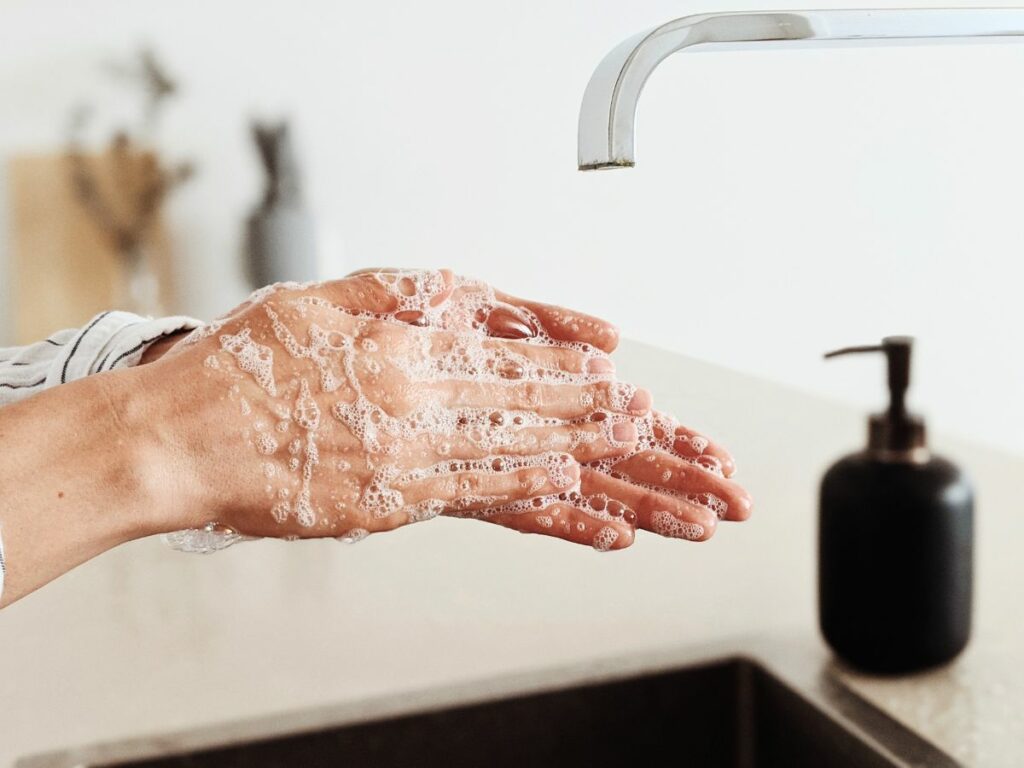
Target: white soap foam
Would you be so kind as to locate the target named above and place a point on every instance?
(307, 412)
(265, 444)
(667, 524)
(354, 536)
(255, 359)
(605, 538)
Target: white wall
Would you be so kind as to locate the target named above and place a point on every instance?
(785, 202)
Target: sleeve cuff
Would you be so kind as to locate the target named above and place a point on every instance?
(112, 340)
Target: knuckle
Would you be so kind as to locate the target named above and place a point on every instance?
(591, 397)
(531, 395)
(528, 441)
(468, 483)
(569, 361)
(554, 440)
(650, 500)
(525, 477)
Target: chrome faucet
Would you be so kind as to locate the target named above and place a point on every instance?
(608, 112)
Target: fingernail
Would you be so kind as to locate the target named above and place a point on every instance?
(705, 461)
(641, 401)
(508, 323)
(624, 432)
(600, 365)
(510, 369)
(412, 317)
(565, 473)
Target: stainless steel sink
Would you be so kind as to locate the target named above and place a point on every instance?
(731, 713)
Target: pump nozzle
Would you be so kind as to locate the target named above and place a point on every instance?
(895, 430)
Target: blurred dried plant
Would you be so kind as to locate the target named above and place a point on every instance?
(124, 202)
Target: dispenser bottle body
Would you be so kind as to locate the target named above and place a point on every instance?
(895, 562)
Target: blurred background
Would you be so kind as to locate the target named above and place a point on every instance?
(784, 203)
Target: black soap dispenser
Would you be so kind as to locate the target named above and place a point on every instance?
(895, 546)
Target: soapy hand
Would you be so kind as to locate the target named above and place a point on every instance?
(311, 419)
(390, 397)
(676, 480)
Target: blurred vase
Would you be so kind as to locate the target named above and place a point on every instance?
(280, 237)
(281, 245)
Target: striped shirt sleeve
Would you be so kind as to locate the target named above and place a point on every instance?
(110, 340)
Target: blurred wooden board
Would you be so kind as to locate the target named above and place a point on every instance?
(63, 268)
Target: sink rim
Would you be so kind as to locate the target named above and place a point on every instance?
(821, 688)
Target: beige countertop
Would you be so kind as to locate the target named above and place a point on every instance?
(145, 641)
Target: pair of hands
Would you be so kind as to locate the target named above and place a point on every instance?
(359, 405)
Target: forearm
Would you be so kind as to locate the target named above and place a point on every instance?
(76, 478)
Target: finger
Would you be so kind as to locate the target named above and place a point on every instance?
(560, 401)
(556, 360)
(404, 294)
(564, 521)
(586, 441)
(661, 513)
(512, 359)
(492, 318)
(511, 318)
(680, 477)
(692, 445)
(564, 324)
(479, 484)
(660, 431)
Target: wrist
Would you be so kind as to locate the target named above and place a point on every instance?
(84, 476)
(148, 464)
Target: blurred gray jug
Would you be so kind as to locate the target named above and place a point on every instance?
(280, 238)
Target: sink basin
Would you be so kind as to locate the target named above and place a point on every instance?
(731, 713)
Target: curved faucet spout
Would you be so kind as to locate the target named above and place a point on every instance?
(608, 112)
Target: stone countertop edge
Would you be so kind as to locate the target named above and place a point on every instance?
(806, 668)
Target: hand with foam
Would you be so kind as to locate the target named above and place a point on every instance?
(676, 481)
(658, 475)
(299, 415)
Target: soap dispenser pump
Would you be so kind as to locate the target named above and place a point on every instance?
(895, 544)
